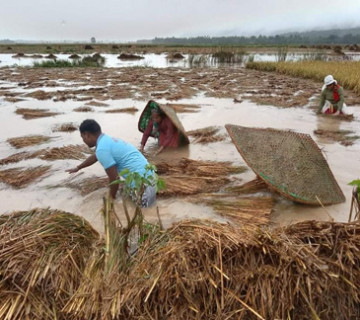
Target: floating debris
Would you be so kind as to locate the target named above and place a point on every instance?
(184, 108)
(97, 104)
(21, 177)
(129, 56)
(35, 113)
(123, 110)
(83, 109)
(25, 141)
(65, 127)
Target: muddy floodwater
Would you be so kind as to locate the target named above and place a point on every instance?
(261, 100)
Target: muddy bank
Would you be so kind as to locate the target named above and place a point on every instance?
(170, 84)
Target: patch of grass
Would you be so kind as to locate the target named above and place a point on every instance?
(345, 72)
(88, 61)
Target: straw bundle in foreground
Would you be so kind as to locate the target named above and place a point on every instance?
(205, 270)
(35, 113)
(21, 142)
(54, 267)
(21, 177)
(42, 253)
(19, 156)
(250, 187)
(181, 108)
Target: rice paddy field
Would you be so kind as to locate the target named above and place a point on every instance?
(229, 248)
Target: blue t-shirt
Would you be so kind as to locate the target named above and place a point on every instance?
(111, 151)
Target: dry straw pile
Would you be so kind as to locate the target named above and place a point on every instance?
(55, 267)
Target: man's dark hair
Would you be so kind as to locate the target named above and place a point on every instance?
(91, 126)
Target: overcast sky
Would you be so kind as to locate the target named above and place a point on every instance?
(128, 20)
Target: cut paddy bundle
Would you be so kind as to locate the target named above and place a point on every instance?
(184, 185)
(76, 152)
(35, 113)
(42, 253)
(206, 135)
(65, 127)
(21, 177)
(25, 141)
(250, 187)
(123, 110)
(252, 210)
(88, 185)
(191, 167)
(197, 269)
(205, 270)
(19, 156)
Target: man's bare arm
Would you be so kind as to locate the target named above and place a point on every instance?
(87, 163)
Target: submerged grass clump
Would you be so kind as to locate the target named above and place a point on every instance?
(123, 110)
(345, 137)
(206, 135)
(25, 141)
(345, 72)
(88, 61)
(35, 113)
(65, 127)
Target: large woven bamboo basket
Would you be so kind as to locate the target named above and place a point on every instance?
(170, 113)
(290, 163)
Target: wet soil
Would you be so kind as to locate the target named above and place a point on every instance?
(221, 95)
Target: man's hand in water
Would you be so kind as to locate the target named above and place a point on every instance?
(73, 170)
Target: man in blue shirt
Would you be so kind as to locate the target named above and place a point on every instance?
(115, 155)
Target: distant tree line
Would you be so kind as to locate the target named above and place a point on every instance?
(291, 39)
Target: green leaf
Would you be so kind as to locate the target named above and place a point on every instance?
(355, 183)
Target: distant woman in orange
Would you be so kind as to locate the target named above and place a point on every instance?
(161, 127)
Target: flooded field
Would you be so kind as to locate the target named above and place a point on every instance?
(223, 95)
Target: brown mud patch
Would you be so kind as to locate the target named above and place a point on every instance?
(345, 137)
(184, 108)
(96, 104)
(21, 177)
(21, 142)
